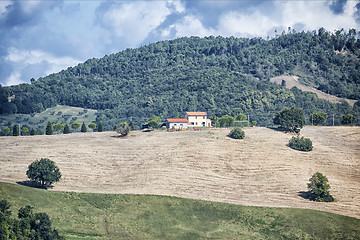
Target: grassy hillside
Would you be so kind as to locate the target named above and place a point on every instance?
(112, 216)
(57, 114)
(214, 74)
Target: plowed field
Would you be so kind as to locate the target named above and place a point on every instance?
(259, 170)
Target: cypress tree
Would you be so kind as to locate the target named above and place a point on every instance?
(131, 126)
(49, 129)
(83, 128)
(66, 129)
(16, 130)
(32, 132)
(100, 127)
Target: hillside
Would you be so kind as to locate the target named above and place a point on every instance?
(114, 216)
(207, 165)
(214, 74)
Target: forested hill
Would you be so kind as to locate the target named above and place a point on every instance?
(214, 74)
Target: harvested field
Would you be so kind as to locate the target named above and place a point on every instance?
(257, 171)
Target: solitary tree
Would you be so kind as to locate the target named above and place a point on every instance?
(319, 188)
(123, 131)
(66, 129)
(32, 132)
(291, 119)
(43, 172)
(83, 127)
(49, 129)
(75, 125)
(16, 130)
(131, 126)
(100, 127)
(318, 117)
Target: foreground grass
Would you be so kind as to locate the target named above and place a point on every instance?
(114, 216)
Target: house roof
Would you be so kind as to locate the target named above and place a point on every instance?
(196, 113)
(177, 120)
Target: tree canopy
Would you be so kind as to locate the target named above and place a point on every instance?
(290, 118)
(214, 74)
(43, 172)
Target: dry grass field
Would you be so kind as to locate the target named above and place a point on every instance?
(257, 171)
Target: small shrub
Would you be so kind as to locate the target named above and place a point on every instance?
(237, 133)
(319, 188)
(123, 131)
(301, 144)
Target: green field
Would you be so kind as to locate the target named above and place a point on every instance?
(114, 216)
(58, 114)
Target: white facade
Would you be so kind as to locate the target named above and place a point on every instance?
(198, 119)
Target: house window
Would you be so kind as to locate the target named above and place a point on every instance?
(203, 117)
(196, 123)
(195, 117)
(192, 123)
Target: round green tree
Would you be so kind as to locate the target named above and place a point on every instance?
(319, 188)
(92, 126)
(24, 131)
(75, 125)
(348, 119)
(6, 130)
(318, 117)
(153, 124)
(43, 172)
(237, 133)
(58, 127)
(291, 119)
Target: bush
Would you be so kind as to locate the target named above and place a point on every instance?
(237, 133)
(348, 119)
(301, 144)
(123, 131)
(319, 188)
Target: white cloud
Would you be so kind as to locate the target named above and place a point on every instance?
(188, 26)
(14, 79)
(236, 24)
(23, 59)
(134, 21)
(29, 6)
(3, 5)
(316, 14)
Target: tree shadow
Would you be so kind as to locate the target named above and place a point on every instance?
(279, 129)
(33, 184)
(304, 195)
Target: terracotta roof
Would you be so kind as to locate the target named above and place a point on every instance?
(177, 120)
(196, 113)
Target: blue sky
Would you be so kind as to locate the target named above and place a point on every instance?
(42, 37)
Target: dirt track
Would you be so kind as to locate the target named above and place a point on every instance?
(292, 81)
(260, 170)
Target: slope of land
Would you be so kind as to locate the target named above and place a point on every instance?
(125, 216)
(292, 81)
(258, 171)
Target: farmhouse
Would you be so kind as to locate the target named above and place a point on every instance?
(177, 123)
(198, 119)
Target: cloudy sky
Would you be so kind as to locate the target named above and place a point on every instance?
(42, 37)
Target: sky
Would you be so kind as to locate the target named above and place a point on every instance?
(38, 38)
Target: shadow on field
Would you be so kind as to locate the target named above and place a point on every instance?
(304, 195)
(32, 184)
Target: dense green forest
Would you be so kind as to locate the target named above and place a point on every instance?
(214, 74)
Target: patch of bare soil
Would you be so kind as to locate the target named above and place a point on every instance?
(259, 170)
(292, 81)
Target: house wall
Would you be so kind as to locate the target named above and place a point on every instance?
(177, 125)
(199, 121)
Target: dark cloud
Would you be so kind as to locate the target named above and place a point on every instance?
(337, 6)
